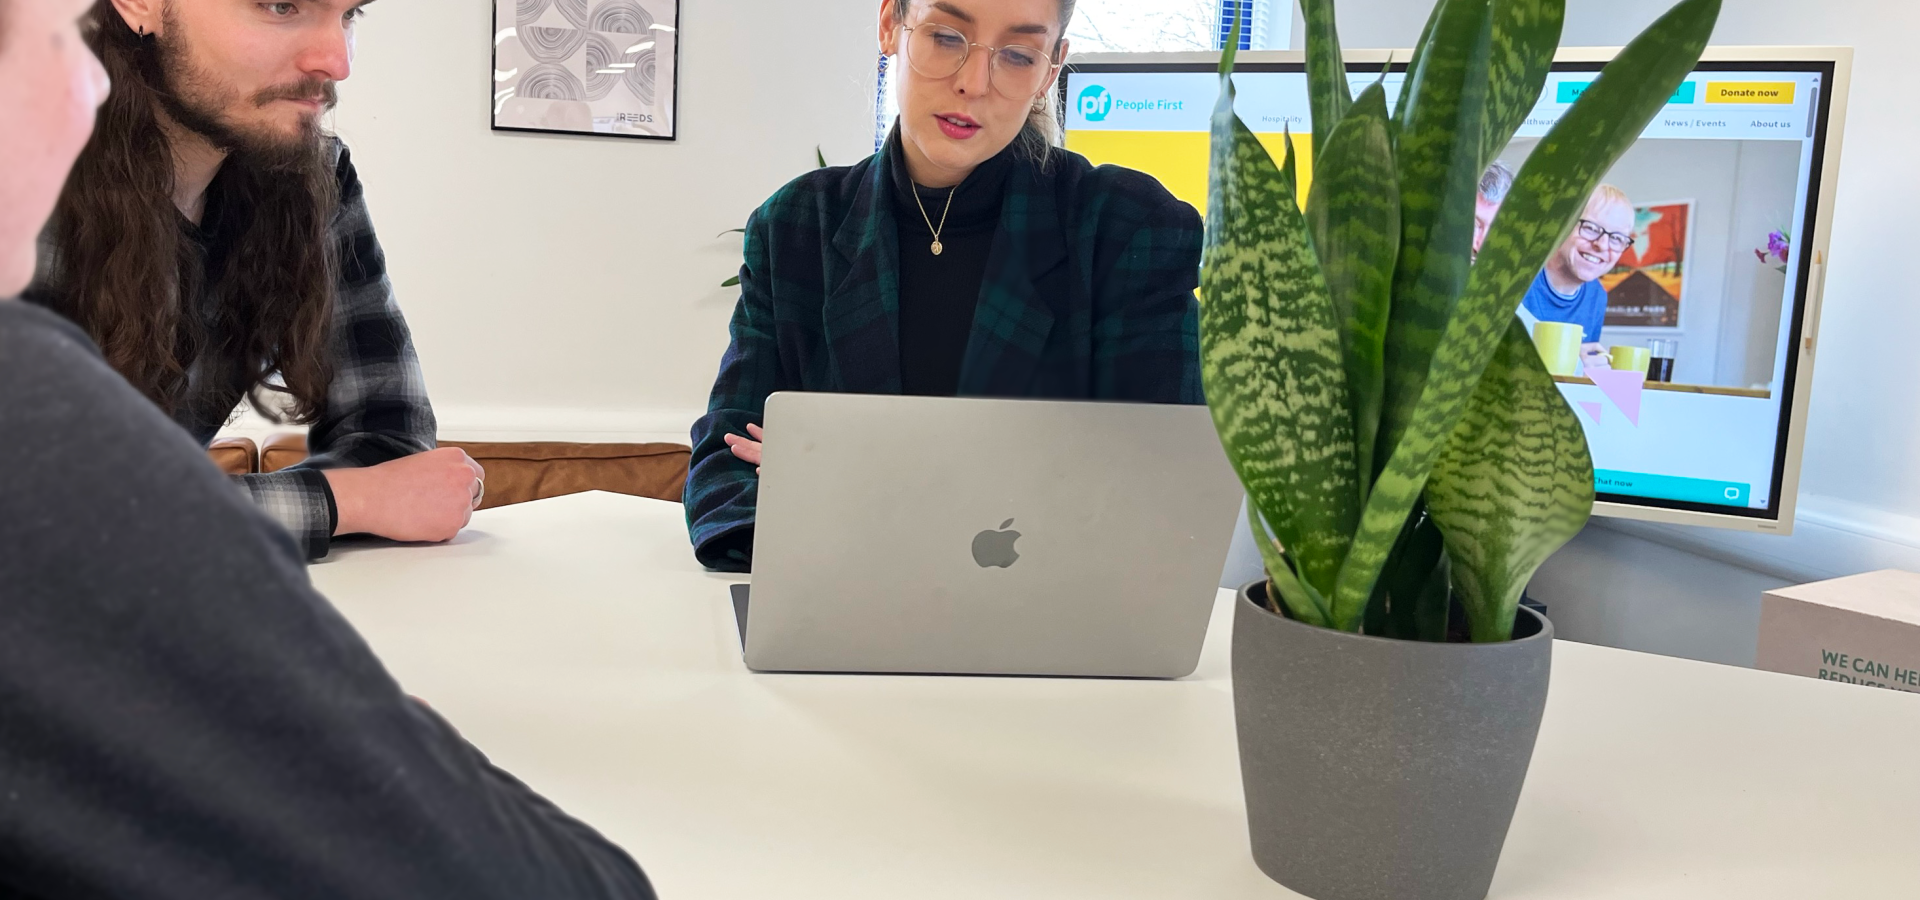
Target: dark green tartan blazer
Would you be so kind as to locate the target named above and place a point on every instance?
(820, 301)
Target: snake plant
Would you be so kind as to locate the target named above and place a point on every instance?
(1403, 448)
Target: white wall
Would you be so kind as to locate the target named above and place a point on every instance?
(566, 286)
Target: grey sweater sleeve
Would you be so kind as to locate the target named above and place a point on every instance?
(182, 716)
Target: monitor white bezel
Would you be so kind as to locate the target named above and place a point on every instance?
(1841, 59)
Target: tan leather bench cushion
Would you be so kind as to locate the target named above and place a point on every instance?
(235, 456)
(281, 451)
(520, 471)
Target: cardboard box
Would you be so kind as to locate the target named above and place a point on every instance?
(1862, 629)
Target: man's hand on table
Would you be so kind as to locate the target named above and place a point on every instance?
(424, 497)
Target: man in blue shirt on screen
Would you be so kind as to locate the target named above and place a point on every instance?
(1568, 288)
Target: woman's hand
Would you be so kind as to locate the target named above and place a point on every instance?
(747, 448)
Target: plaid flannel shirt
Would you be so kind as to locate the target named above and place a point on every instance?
(377, 408)
(819, 310)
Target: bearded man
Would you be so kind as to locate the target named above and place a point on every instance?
(214, 241)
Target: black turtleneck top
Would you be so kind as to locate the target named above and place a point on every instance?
(938, 293)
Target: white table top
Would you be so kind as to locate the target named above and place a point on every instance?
(577, 642)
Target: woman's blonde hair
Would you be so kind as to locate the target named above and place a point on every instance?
(1042, 131)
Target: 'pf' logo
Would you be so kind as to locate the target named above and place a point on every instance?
(1095, 103)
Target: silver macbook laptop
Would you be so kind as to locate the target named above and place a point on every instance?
(973, 536)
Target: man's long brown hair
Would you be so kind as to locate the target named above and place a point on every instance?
(131, 278)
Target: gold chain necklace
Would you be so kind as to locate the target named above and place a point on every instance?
(929, 220)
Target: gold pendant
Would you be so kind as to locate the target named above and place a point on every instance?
(936, 248)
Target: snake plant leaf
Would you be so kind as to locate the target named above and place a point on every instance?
(1417, 63)
(1436, 162)
(1514, 483)
(1435, 603)
(1307, 604)
(1353, 213)
(1270, 355)
(1525, 34)
(1409, 581)
(1289, 169)
(1550, 191)
(1437, 159)
(1400, 569)
(1328, 94)
(1375, 620)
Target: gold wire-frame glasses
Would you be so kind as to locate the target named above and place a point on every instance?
(1016, 70)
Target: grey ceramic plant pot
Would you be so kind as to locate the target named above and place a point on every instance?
(1378, 769)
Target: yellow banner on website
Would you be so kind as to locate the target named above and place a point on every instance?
(1179, 158)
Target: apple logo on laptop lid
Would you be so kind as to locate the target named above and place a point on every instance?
(994, 549)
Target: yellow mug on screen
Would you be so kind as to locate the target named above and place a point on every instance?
(1559, 346)
(1631, 359)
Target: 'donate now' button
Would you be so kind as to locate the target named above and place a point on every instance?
(1780, 92)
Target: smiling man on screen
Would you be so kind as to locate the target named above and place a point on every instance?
(1568, 288)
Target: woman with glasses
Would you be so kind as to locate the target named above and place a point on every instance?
(1568, 288)
(971, 256)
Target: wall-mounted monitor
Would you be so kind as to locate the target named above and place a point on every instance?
(1680, 317)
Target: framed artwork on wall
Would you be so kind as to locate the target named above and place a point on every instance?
(1649, 285)
(605, 67)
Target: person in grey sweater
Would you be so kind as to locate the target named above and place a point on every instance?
(181, 715)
